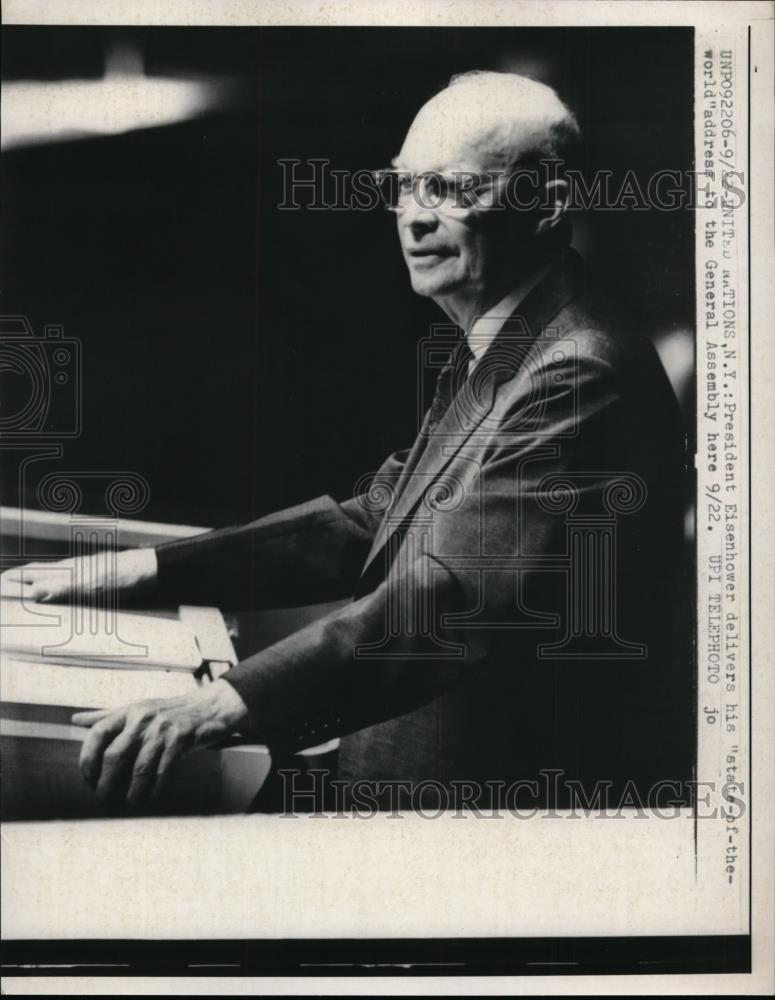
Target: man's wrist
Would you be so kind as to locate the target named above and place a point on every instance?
(228, 711)
(216, 712)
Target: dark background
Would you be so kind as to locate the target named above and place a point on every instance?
(242, 358)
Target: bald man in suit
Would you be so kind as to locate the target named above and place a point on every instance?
(517, 628)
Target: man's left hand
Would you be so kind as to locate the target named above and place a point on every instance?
(129, 751)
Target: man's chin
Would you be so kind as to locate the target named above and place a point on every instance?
(432, 285)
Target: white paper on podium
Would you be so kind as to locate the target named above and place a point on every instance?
(96, 637)
(30, 682)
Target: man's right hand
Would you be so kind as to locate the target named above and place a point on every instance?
(85, 578)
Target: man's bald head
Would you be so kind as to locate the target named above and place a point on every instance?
(466, 254)
(491, 121)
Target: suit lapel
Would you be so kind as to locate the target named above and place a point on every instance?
(474, 400)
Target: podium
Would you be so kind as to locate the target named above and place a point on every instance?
(55, 660)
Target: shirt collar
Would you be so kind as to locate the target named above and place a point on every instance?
(486, 327)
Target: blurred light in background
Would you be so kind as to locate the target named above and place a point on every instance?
(36, 112)
(676, 352)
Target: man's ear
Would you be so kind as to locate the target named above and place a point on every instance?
(556, 196)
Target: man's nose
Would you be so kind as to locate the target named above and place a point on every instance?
(419, 219)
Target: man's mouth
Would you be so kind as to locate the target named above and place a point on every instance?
(428, 256)
(431, 252)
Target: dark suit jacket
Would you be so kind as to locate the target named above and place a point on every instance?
(518, 578)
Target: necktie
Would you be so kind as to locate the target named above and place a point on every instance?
(451, 377)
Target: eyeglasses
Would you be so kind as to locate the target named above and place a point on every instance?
(459, 192)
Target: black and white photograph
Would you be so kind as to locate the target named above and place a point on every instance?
(377, 535)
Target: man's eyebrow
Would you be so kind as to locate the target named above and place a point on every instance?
(455, 169)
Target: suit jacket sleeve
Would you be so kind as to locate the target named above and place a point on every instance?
(406, 641)
(306, 554)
